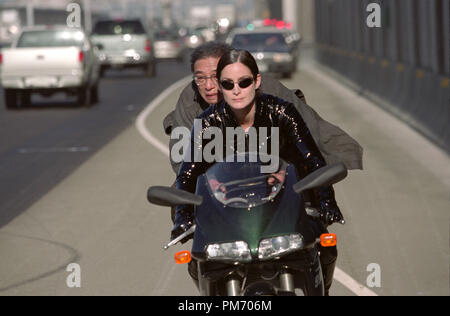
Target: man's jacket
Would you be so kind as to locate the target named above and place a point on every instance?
(334, 144)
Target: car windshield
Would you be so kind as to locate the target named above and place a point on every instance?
(165, 35)
(118, 28)
(261, 42)
(51, 38)
(242, 184)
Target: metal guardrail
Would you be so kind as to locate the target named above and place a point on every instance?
(405, 61)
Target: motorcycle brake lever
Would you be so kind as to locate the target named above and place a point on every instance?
(181, 237)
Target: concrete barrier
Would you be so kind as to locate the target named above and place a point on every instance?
(443, 100)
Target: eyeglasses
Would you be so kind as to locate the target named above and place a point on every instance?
(200, 81)
(243, 83)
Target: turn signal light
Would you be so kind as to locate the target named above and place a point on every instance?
(183, 257)
(328, 240)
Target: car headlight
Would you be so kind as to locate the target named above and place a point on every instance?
(276, 246)
(280, 58)
(234, 251)
(194, 39)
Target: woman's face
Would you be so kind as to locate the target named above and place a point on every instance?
(238, 98)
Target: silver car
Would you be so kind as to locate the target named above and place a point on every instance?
(168, 45)
(124, 44)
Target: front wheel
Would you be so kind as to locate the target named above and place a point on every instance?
(84, 96)
(11, 98)
(94, 94)
(150, 69)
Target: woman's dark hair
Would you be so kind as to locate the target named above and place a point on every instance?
(210, 49)
(238, 56)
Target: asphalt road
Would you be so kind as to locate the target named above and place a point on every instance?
(95, 214)
(42, 144)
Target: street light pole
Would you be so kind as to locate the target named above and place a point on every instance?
(167, 18)
(290, 12)
(30, 13)
(87, 16)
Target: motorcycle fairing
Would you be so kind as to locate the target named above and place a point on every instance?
(217, 223)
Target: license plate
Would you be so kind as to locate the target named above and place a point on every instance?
(41, 82)
(118, 60)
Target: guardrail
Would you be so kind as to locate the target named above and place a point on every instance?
(405, 61)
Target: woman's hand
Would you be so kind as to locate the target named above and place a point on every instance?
(330, 215)
(279, 176)
(183, 221)
(215, 185)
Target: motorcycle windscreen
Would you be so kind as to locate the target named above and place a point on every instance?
(241, 204)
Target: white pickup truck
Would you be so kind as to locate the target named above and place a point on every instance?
(48, 60)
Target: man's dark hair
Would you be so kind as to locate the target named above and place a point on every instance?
(210, 49)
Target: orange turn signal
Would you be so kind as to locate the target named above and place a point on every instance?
(328, 240)
(183, 257)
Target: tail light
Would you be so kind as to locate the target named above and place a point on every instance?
(183, 257)
(81, 56)
(148, 47)
(1, 58)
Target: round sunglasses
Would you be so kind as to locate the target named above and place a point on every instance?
(243, 83)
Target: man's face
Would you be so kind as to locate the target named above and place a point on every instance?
(205, 71)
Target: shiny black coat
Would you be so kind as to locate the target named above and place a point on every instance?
(296, 146)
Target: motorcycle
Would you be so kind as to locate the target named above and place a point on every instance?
(253, 234)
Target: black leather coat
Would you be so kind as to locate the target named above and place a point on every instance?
(296, 146)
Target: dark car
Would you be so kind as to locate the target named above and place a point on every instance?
(123, 44)
(273, 49)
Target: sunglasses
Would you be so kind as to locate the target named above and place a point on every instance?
(243, 83)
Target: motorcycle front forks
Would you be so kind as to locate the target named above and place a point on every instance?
(286, 284)
(234, 287)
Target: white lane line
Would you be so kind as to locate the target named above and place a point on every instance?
(53, 150)
(339, 275)
(140, 121)
(351, 284)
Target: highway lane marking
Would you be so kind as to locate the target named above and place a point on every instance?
(339, 275)
(140, 121)
(351, 284)
(53, 150)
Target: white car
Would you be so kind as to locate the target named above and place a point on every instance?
(168, 46)
(124, 44)
(47, 60)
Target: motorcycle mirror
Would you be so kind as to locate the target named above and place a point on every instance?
(167, 196)
(322, 177)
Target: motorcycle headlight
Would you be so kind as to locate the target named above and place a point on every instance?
(276, 246)
(234, 251)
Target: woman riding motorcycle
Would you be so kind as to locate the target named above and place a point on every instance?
(244, 106)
